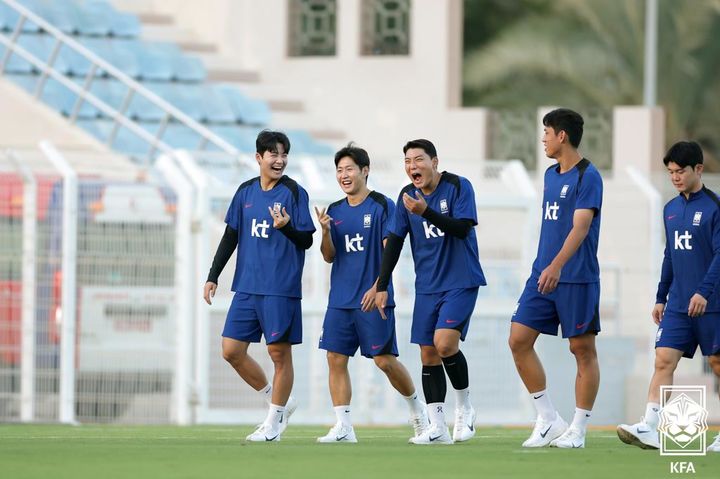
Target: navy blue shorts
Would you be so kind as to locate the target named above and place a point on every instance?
(680, 331)
(250, 316)
(344, 330)
(573, 306)
(447, 310)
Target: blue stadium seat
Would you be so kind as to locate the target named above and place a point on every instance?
(302, 142)
(36, 45)
(8, 18)
(242, 138)
(185, 68)
(181, 137)
(152, 62)
(246, 110)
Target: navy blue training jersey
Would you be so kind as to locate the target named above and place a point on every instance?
(357, 233)
(577, 189)
(692, 251)
(268, 263)
(442, 262)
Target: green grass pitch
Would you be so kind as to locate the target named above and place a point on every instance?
(130, 452)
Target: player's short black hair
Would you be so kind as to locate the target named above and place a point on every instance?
(267, 140)
(684, 153)
(563, 119)
(358, 155)
(425, 145)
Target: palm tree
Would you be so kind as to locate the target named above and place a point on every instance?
(589, 53)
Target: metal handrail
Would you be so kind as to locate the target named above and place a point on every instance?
(118, 116)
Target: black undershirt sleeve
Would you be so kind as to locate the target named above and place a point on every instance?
(390, 257)
(458, 228)
(225, 249)
(301, 239)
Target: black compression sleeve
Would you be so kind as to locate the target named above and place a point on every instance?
(301, 239)
(458, 228)
(225, 249)
(390, 257)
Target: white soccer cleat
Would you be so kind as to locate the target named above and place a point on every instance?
(464, 427)
(435, 434)
(339, 433)
(290, 407)
(572, 438)
(264, 433)
(640, 435)
(546, 431)
(420, 422)
(715, 446)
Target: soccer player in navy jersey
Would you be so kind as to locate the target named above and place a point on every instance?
(687, 309)
(438, 211)
(353, 234)
(269, 223)
(564, 285)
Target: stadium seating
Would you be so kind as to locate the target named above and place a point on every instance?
(162, 67)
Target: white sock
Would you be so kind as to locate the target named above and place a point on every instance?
(581, 418)
(266, 393)
(343, 415)
(436, 413)
(652, 414)
(462, 398)
(414, 404)
(276, 414)
(543, 405)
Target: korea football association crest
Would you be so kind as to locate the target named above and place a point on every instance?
(443, 206)
(277, 206)
(697, 218)
(367, 220)
(564, 190)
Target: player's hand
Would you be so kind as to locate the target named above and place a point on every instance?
(416, 205)
(697, 306)
(367, 303)
(549, 279)
(657, 313)
(324, 219)
(381, 298)
(209, 291)
(280, 218)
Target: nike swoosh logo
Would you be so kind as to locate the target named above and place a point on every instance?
(338, 222)
(271, 438)
(576, 447)
(248, 205)
(275, 333)
(543, 434)
(580, 326)
(340, 438)
(471, 426)
(450, 321)
(671, 217)
(376, 346)
(434, 438)
(538, 397)
(643, 432)
(281, 418)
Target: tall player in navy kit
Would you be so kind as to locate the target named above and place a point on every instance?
(687, 309)
(269, 223)
(564, 285)
(353, 234)
(438, 211)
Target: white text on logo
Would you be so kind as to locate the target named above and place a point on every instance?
(431, 231)
(259, 230)
(551, 210)
(353, 244)
(682, 241)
